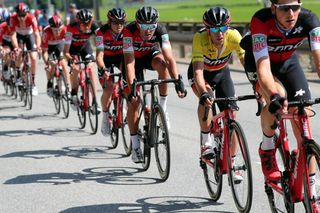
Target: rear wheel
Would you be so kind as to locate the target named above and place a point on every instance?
(80, 108)
(93, 108)
(160, 135)
(124, 127)
(312, 202)
(29, 89)
(113, 125)
(56, 95)
(64, 95)
(240, 175)
(143, 136)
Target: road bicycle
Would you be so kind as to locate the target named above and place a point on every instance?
(232, 155)
(60, 87)
(27, 82)
(153, 129)
(294, 185)
(118, 113)
(87, 98)
(9, 78)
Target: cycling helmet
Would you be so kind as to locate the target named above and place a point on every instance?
(55, 22)
(117, 14)
(4, 15)
(84, 16)
(147, 15)
(22, 9)
(216, 16)
(37, 12)
(276, 1)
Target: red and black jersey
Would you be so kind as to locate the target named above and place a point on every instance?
(108, 42)
(75, 37)
(268, 39)
(5, 32)
(133, 42)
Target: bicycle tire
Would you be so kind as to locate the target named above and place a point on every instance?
(113, 126)
(25, 88)
(56, 94)
(213, 177)
(29, 89)
(124, 127)
(6, 87)
(64, 95)
(93, 107)
(277, 201)
(310, 202)
(80, 108)
(160, 135)
(241, 163)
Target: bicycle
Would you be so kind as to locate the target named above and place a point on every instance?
(9, 77)
(60, 87)
(87, 102)
(117, 118)
(294, 185)
(153, 130)
(225, 130)
(27, 82)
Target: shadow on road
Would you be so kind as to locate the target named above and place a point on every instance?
(153, 204)
(103, 175)
(84, 152)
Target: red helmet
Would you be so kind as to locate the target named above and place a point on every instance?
(37, 12)
(55, 22)
(22, 9)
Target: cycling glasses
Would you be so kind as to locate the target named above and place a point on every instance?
(55, 29)
(287, 7)
(222, 29)
(148, 26)
(118, 22)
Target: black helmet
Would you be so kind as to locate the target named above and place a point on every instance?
(276, 1)
(216, 16)
(22, 9)
(147, 15)
(55, 22)
(84, 15)
(117, 14)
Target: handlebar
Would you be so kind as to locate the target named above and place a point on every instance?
(85, 62)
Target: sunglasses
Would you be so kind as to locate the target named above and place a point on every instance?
(148, 26)
(118, 22)
(56, 28)
(85, 24)
(22, 15)
(287, 7)
(222, 29)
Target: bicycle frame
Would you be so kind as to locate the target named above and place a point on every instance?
(300, 165)
(117, 96)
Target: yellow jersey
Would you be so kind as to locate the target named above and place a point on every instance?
(204, 51)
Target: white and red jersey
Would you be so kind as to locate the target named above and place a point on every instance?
(49, 38)
(26, 27)
(5, 32)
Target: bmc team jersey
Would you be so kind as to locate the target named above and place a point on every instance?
(5, 33)
(27, 27)
(268, 39)
(76, 38)
(108, 42)
(204, 51)
(132, 42)
(48, 37)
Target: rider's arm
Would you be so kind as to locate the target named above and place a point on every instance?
(198, 77)
(129, 60)
(100, 50)
(14, 40)
(37, 38)
(45, 56)
(168, 56)
(67, 44)
(316, 60)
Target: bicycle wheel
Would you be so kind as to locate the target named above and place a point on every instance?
(160, 135)
(80, 109)
(29, 88)
(93, 108)
(211, 172)
(143, 136)
(64, 95)
(279, 202)
(124, 127)
(240, 173)
(5, 86)
(56, 95)
(311, 202)
(114, 128)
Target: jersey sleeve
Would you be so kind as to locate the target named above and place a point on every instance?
(197, 52)
(259, 39)
(68, 36)
(99, 41)
(34, 24)
(164, 37)
(314, 32)
(127, 41)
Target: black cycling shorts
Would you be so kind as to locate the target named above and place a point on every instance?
(29, 40)
(57, 50)
(6, 43)
(85, 52)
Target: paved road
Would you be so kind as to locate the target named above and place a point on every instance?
(48, 164)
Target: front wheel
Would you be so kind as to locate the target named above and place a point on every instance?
(56, 95)
(93, 107)
(64, 95)
(80, 107)
(113, 124)
(124, 127)
(240, 173)
(160, 135)
(312, 201)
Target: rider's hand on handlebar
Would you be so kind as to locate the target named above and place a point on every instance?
(103, 73)
(180, 89)
(276, 103)
(205, 99)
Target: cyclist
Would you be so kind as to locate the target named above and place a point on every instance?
(212, 48)
(109, 53)
(5, 41)
(141, 51)
(274, 70)
(53, 43)
(77, 44)
(25, 30)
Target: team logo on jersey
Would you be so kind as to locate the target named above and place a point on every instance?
(315, 35)
(127, 42)
(258, 42)
(99, 41)
(165, 38)
(297, 30)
